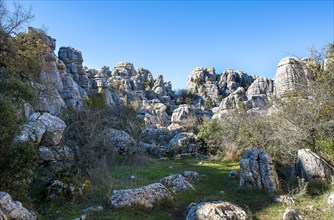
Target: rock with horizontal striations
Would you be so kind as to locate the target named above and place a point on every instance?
(10, 209)
(290, 76)
(158, 136)
(313, 168)
(56, 158)
(146, 196)
(217, 210)
(257, 171)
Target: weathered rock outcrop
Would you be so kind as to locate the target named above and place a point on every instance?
(291, 214)
(118, 140)
(57, 158)
(146, 196)
(217, 210)
(57, 85)
(42, 128)
(313, 168)
(10, 209)
(289, 77)
(73, 60)
(257, 171)
(186, 142)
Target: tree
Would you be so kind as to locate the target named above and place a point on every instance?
(11, 22)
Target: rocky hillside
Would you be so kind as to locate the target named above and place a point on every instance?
(82, 119)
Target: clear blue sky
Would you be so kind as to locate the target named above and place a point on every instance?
(172, 37)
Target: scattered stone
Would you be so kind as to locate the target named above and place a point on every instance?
(215, 210)
(10, 209)
(93, 209)
(285, 199)
(180, 182)
(233, 174)
(291, 214)
(330, 200)
(257, 171)
(145, 196)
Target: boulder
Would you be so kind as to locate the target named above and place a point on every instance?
(180, 182)
(42, 128)
(215, 210)
(291, 214)
(257, 171)
(233, 174)
(146, 196)
(10, 209)
(158, 136)
(121, 141)
(330, 200)
(186, 142)
(314, 168)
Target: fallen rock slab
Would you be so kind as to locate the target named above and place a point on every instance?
(145, 196)
(216, 210)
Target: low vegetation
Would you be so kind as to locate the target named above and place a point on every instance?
(213, 184)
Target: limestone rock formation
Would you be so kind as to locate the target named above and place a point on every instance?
(42, 128)
(186, 142)
(180, 182)
(119, 140)
(231, 80)
(158, 136)
(289, 77)
(313, 168)
(10, 209)
(55, 158)
(257, 171)
(145, 196)
(73, 60)
(215, 210)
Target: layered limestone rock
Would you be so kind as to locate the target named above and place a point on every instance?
(231, 80)
(10, 209)
(57, 85)
(290, 76)
(146, 196)
(257, 171)
(73, 60)
(313, 168)
(215, 210)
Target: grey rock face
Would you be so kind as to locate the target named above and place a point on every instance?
(42, 128)
(73, 60)
(10, 209)
(158, 136)
(72, 93)
(257, 171)
(186, 142)
(121, 141)
(233, 100)
(290, 76)
(313, 168)
(230, 80)
(217, 210)
(145, 196)
(55, 158)
(56, 189)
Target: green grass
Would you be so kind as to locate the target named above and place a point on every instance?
(213, 184)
